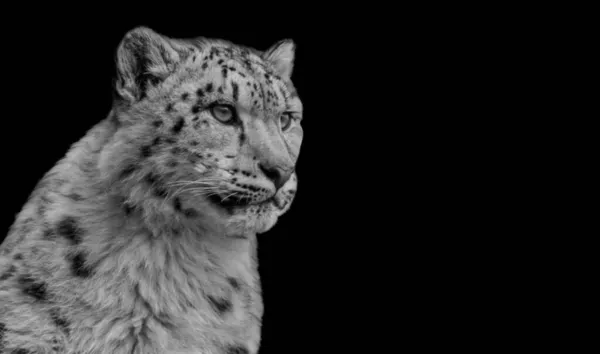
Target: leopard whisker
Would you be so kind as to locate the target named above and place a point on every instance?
(230, 195)
(202, 181)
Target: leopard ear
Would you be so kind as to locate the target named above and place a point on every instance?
(144, 59)
(281, 55)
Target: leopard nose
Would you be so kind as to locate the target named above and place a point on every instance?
(276, 174)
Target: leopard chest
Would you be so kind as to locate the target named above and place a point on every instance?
(219, 316)
(168, 316)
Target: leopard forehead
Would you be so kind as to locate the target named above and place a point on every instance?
(220, 70)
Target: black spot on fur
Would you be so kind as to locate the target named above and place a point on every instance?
(56, 347)
(220, 61)
(177, 204)
(128, 170)
(74, 196)
(2, 331)
(282, 94)
(169, 107)
(235, 284)
(18, 256)
(236, 349)
(195, 108)
(154, 81)
(128, 208)
(194, 142)
(151, 178)
(146, 151)
(204, 66)
(242, 138)
(199, 92)
(33, 288)
(224, 73)
(209, 87)
(219, 305)
(9, 272)
(60, 321)
(49, 234)
(157, 123)
(220, 89)
(158, 187)
(235, 91)
(170, 140)
(160, 191)
(185, 96)
(177, 150)
(178, 126)
(78, 266)
(190, 213)
(20, 351)
(69, 228)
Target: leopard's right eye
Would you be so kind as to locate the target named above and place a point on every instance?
(223, 113)
(285, 120)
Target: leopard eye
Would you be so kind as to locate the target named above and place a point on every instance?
(285, 120)
(222, 113)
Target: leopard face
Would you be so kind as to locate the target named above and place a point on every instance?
(218, 124)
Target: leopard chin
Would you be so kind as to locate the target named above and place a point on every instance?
(243, 217)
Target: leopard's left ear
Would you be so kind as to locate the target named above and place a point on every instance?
(281, 55)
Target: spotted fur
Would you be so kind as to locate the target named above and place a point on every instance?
(142, 239)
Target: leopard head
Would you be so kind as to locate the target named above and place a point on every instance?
(212, 127)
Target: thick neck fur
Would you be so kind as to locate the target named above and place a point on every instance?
(135, 242)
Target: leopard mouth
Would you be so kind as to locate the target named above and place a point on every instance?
(230, 201)
(236, 201)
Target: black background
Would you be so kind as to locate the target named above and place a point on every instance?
(59, 74)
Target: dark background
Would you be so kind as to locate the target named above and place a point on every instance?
(59, 75)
